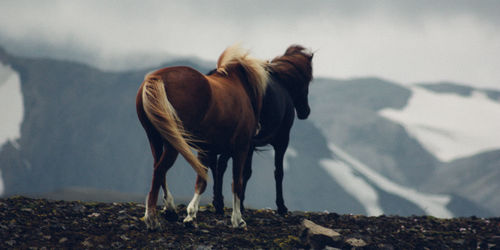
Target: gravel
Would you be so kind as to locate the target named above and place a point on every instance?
(42, 224)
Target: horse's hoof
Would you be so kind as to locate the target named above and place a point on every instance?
(219, 208)
(240, 224)
(170, 215)
(189, 223)
(219, 211)
(152, 223)
(282, 211)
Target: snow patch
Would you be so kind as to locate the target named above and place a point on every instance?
(432, 204)
(11, 109)
(11, 105)
(448, 125)
(354, 185)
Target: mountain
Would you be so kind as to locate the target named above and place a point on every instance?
(460, 125)
(346, 112)
(475, 178)
(80, 130)
(453, 88)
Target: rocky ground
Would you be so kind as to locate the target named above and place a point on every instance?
(38, 223)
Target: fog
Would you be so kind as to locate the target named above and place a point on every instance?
(403, 41)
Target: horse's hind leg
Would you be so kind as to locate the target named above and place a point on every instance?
(238, 165)
(218, 175)
(166, 160)
(170, 211)
(200, 186)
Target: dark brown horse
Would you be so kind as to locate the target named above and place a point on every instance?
(181, 109)
(287, 89)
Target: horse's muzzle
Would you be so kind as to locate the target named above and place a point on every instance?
(304, 114)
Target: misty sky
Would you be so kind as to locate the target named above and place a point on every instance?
(403, 41)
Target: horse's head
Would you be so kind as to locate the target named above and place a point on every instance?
(294, 71)
(301, 104)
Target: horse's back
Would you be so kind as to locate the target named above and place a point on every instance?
(188, 91)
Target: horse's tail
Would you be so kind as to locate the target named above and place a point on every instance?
(255, 69)
(163, 116)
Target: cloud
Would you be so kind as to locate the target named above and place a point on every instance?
(405, 41)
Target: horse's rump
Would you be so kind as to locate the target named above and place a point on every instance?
(163, 116)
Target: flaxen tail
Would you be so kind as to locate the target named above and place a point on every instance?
(164, 118)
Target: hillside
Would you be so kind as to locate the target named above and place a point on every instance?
(79, 130)
(36, 223)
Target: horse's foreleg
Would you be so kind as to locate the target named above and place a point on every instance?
(200, 186)
(279, 154)
(218, 175)
(238, 165)
(166, 161)
(247, 173)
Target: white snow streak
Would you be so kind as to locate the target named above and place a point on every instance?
(353, 185)
(448, 125)
(432, 204)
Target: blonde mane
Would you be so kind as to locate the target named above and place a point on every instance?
(255, 68)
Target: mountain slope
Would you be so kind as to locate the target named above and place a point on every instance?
(475, 178)
(346, 112)
(80, 130)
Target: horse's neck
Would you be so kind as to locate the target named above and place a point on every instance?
(283, 84)
(277, 111)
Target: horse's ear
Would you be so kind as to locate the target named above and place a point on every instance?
(311, 54)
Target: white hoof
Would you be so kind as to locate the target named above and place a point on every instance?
(168, 200)
(188, 219)
(151, 220)
(192, 209)
(236, 218)
(238, 223)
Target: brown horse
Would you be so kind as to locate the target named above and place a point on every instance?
(182, 109)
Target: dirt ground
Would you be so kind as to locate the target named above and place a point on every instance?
(41, 224)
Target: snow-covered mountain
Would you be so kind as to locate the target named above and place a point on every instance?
(321, 176)
(450, 125)
(353, 155)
